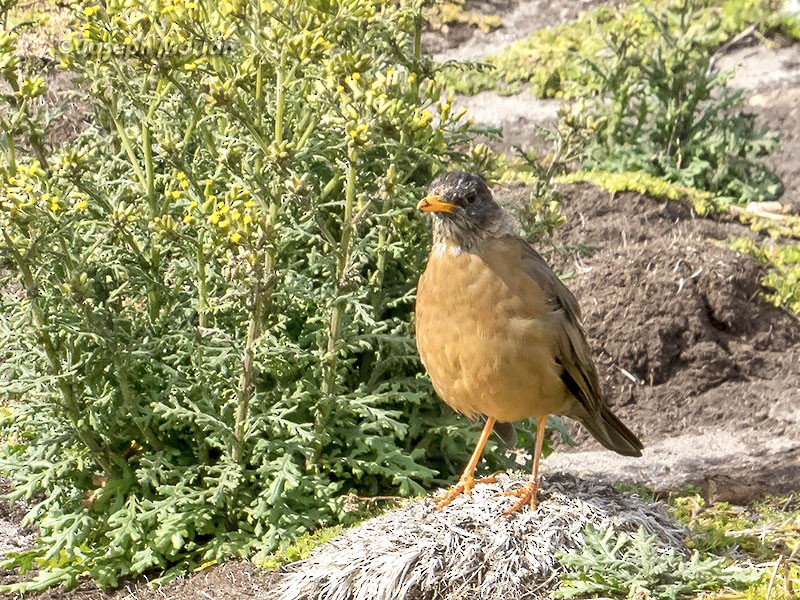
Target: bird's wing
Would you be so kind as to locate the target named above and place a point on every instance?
(507, 433)
(573, 352)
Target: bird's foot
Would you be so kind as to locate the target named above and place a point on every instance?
(464, 485)
(526, 494)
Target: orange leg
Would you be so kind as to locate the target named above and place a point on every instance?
(527, 493)
(467, 480)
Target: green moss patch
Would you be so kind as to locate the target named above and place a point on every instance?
(643, 183)
(782, 277)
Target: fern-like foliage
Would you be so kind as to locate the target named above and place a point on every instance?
(620, 565)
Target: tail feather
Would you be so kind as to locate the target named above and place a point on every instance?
(612, 433)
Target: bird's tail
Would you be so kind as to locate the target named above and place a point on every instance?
(612, 433)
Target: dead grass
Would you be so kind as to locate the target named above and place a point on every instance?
(466, 551)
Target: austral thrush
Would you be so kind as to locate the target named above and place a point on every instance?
(499, 333)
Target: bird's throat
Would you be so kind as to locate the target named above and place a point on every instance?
(455, 235)
(443, 248)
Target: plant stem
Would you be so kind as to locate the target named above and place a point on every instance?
(39, 319)
(337, 310)
(263, 276)
(246, 381)
(259, 110)
(279, 100)
(128, 147)
(12, 153)
(150, 189)
(418, 38)
(342, 259)
(128, 401)
(202, 289)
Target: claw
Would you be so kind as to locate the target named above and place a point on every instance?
(526, 494)
(464, 485)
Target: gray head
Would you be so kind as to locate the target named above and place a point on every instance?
(464, 212)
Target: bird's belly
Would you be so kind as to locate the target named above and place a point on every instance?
(488, 348)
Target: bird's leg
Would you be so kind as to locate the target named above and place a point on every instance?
(527, 493)
(467, 480)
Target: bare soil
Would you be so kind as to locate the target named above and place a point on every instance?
(519, 19)
(684, 336)
(693, 358)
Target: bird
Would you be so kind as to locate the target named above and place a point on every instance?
(499, 333)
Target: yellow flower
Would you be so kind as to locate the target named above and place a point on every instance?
(32, 88)
(424, 118)
(235, 237)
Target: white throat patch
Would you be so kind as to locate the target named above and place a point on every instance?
(439, 249)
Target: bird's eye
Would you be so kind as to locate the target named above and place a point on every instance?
(470, 198)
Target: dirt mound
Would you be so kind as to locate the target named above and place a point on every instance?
(684, 337)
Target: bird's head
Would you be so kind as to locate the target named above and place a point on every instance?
(464, 212)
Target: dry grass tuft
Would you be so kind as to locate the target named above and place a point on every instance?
(465, 550)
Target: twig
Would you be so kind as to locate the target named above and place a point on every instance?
(745, 33)
(629, 375)
(377, 498)
(772, 578)
(764, 214)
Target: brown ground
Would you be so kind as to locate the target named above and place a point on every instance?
(693, 357)
(668, 305)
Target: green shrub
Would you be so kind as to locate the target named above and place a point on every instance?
(650, 103)
(551, 61)
(206, 335)
(661, 110)
(444, 14)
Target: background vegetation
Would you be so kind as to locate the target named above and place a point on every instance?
(206, 296)
(552, 61)
(647, 110)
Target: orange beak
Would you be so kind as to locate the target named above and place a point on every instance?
(436, 204)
